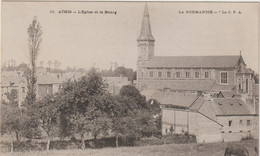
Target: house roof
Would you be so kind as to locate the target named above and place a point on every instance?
(197, 104)
(217, 87)
(11, 81)
(193, 61)
(231, 107)
(254, 103)
(117, 80)
(207, 109)
(175, 99)
(12, 73)
(49, 79)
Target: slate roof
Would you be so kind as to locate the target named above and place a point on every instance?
(175, 99)
(12, 73)
(208, 110)
(11, 81)
(217, 87)
(146, 31)
(193, 61)
(231, 107)
(242, 69)
(197, 104)
(49, 79)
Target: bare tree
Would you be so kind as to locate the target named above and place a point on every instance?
(57, 64)
(41, 63)
(49, 63)
(34, 41)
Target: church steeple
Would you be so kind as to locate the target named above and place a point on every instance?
(145, 41)
(146, 32)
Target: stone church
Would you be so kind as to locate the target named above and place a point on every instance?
(188, 73)
(214, 98)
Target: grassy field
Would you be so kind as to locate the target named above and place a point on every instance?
(209, 149)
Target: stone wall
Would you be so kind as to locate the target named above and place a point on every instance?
(239, 127)
(230, 73)
(205, 129)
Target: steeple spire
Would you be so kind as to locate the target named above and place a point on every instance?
(146, 32)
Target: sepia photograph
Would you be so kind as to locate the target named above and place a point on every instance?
(129, 78)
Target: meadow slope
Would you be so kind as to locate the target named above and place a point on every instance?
(209, 149)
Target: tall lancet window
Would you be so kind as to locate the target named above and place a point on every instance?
(247, 85)
(239, 84)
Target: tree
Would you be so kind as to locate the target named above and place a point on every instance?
(83, 103)
(41, 63)
(57, 64)
(12, 122)
(123, 124)
(34, 41)
(23, 67)
(49, 64)
(12, 97)
(47, 114)
(133, 116)
(133, 93)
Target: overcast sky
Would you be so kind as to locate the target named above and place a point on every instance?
(82, 40)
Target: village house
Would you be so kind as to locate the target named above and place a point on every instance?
(15, 83)
(116, 83)
(49, 83)
(209, 119)
(214, 98)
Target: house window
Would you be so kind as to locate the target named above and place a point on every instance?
(197, 75)
(187, 74)
(223, 77)
(178, 74)
(229, 123)
(206, 75)
(240, 122)
(151, 74)
(168, 74)
(247, 85)
(159, 74)
(248, 122)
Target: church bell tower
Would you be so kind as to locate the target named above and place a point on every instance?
(145, 44)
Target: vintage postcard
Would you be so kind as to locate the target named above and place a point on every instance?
(129, 78)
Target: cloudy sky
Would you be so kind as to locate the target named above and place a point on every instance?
(82, 40)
